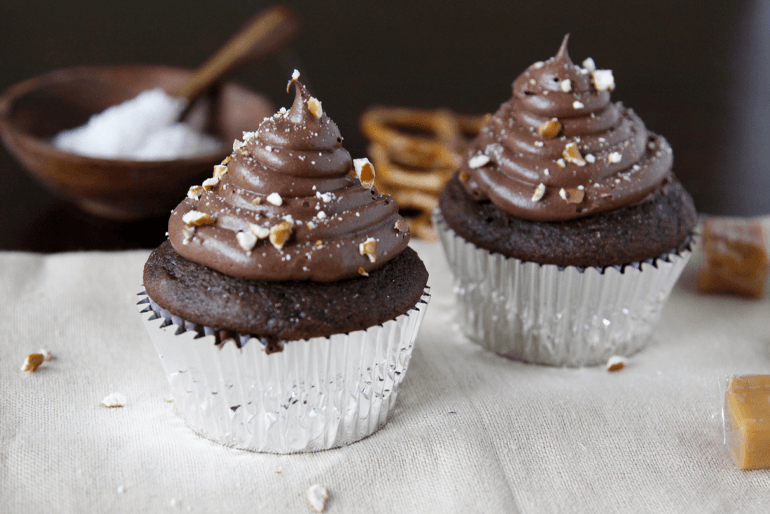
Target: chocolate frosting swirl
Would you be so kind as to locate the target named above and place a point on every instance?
(291, 176)
(514, 163)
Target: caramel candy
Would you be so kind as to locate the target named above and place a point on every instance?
(747, 420)
(736, 258)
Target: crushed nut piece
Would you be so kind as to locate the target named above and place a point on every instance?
(317, 495)
(257, 201)
(572, 195)
(114, 400)
(310, 225)
(369, 248)
(616, 363)
(197, 219)
(209, 183)
(319, 243)
(560, 163)
(46, 354)
(402, 225)
(589, 65)
(477, 161)
(614, 157)
(280, 233)
(550, 128)
(315, 107)
(195, 192)
(539, 192)
(464, 176)
(538, 65)
(275, 199)
(188, 233)
(237, 144)
(260, 232)
(32, 362)
(603, 80)
(362, 271)
(565, 85)
(364, 172)
(590, 158)
(219, 171)
(246, 240)
(226, 160)
(572, 154)
(577, 105)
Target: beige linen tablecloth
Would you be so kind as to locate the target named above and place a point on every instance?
(471, 432)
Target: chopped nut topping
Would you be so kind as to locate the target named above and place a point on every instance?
(539, 144)
(188, 233)
(560, 163)
(197, 218)
(315, 107)
(614, 157)
(319, 243)
(260, 232)
(257, 201)
(32, 362)
(589, 65)
(572, 195)
(464, 176)
(321, 215)
(550, 128)
(195, 192)
(114, 400)
(237, 144)
(369, 248)
(364, 172)
(590, 158)
(310, 225)
(219, 171)
(577, 105)
(246, 240)
(478, 160)
(603, 80)
(362, 271)
(616, 363)
(226, 160)
(402, 225)
(275, 199)
(210, 183)
(572, 154)
(565, 85)
(539, 192)
(280, 233)
(317, 496)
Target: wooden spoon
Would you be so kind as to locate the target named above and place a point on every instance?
(264, 33)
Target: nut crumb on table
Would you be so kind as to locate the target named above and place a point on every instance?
(317, 496)
(114, 400)
(33, 361)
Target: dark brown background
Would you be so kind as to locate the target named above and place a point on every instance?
(696, 72)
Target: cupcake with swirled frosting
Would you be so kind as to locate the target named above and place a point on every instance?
(285, 303)
(565, 226)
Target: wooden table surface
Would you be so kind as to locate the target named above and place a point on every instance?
(696, 72)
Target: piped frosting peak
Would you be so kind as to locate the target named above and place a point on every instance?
(287, 205)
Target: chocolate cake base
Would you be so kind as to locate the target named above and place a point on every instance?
(659, 225)
(283, 311)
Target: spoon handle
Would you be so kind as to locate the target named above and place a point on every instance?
(264, 33)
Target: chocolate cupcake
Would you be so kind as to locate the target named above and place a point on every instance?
(285, 303)
(565, 226)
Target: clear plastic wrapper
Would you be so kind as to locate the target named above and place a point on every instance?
(746, 420)
(313, 395)
(547, 314)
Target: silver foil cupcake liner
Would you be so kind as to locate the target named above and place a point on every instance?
(315, 394)
(560, 316)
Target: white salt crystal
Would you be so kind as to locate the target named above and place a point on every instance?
(143, 128)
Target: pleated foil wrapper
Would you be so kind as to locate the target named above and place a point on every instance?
(315, 394)
(560, 316)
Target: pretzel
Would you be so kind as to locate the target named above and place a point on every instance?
(415, 152)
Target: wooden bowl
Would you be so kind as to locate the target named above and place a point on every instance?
(33, 111)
